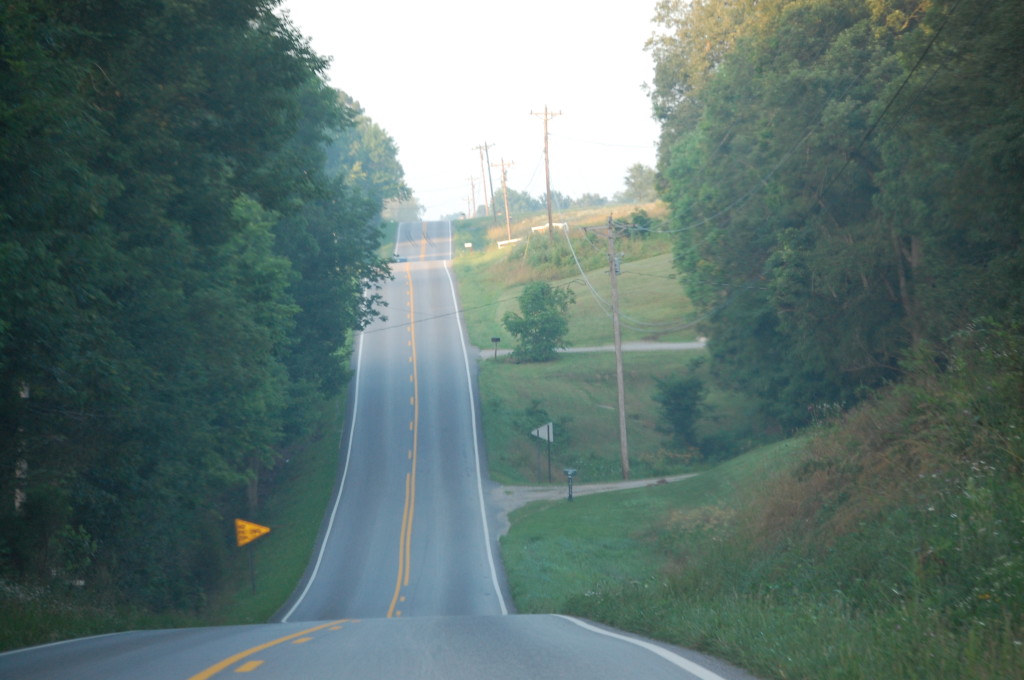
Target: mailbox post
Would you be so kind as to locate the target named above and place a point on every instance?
(569, 474)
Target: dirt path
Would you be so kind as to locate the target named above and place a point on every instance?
(638, 346)
(508, 498)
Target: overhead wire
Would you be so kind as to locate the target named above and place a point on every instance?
(895, 96)
(757, 186)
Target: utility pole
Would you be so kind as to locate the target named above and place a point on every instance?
(504, 192)
(472, 198)
(613, 266)
(547, 166)
(486, 178)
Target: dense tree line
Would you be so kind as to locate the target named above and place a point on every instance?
(522, 203)
(178, 273)
(846, 182)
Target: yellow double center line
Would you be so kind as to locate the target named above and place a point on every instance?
(231, 660)
(405, 537)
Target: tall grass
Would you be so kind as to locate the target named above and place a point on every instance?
(888, 544)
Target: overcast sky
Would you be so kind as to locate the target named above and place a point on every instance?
(445, 76)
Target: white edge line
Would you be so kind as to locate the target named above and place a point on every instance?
(476, 446)
(341, 487)
(694, 669)
(33, 648)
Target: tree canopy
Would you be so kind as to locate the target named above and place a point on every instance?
(845, 180)
(641, 185)
(543, 323)
(178, 274)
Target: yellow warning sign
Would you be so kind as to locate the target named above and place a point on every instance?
(247, 532)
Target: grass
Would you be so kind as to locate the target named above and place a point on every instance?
(652, 301)
(37, 615)
(578, 393)
(888, 543)
(295, 505)
(557, 551)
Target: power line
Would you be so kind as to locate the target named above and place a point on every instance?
(895, 96)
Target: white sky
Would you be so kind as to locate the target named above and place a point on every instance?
(445, 76)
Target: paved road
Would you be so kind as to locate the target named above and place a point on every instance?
(406, 583)
(409, 534)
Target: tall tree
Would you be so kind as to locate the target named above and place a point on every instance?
(366, 156)
(163, 167)
(819, 170)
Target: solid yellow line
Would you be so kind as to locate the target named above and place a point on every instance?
(408, 526)
(218, 667)
(415, 441)
(405, 535)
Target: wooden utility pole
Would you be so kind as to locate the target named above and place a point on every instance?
(504, 192)
(613, 265)
(486, 178)
(547, 166)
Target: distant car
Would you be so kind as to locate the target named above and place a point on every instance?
(397, 258)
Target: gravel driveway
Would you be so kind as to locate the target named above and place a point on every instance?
(508, 498)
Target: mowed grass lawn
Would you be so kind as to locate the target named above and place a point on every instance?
(578, 393)
(557, 552)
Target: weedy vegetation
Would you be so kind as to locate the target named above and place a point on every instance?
(886, 543)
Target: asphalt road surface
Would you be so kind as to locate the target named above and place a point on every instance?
(406, 581)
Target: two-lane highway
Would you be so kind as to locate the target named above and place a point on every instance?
(405, 581)
(408, 532)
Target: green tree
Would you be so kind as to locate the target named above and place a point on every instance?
(519, 202)
(681, 402)
(589, 200)
(543, 323)
(366, 157)
(819, 241)
(407, 209)
(162, 314)
(640, 185)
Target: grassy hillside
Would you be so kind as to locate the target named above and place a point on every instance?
(888, 543)
(577, 392)
(653, 303)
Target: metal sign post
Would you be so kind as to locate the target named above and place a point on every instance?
(245, 533)
(547, 433)
(569, 474)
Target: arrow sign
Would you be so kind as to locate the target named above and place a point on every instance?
(247, 532)
(545, 432)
